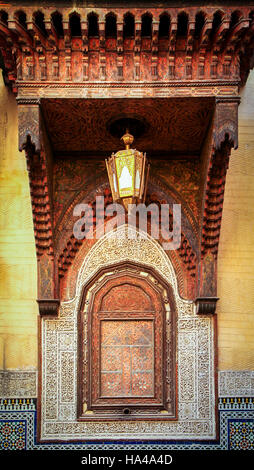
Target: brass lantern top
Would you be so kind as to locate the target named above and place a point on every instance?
(128, 139)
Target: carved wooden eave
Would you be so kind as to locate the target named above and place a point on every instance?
(204, 52)
(212, 47)
(33, 140)
(224, 138)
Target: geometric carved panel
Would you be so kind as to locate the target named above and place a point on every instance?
(127, 357)
(173, 124)
(128, 366)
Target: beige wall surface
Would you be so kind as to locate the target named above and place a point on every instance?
(18, 272)
(236, 248)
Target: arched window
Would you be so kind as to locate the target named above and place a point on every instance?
(146, 26)
(164, 25)
(128, 26)
(199, 24)
(21, 17)
(4, 17)
(110, 26)
(93, 28)
(182, 24)
(57, 22)
(39, 21)
(75, 26)
(217, 20)
(235, 18)
(129, 367)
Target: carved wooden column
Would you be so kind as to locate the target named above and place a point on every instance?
(189, 47)
(119, 46)
(225, 137)
(172, 45)
(33, 139)
(137, 49)
(102, 55)
(155, 37)
(85, 47)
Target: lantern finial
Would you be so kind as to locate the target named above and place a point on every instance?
(128, 139)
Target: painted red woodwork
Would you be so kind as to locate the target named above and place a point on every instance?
(127, 358)
(184, 259)
(69, 85)
(129, 361)
(128, 298)
(33, 52)
(116, 308)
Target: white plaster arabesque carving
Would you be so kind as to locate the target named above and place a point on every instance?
(194, 350)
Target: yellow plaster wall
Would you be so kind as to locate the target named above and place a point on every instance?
(18, 273)
(236, 249)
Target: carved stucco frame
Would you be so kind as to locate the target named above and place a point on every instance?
(195, 357)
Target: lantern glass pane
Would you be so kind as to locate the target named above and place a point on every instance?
(112, 177)
(125, 166)
(139, 173)
(125, 180)
(114, 182)
(137, 180)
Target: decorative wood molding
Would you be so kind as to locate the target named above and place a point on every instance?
(206, 305)
(226, 122)
(32, 140)
(224, 138)
(29, 124)
(122, 89)
(48, 307)
(34, 53)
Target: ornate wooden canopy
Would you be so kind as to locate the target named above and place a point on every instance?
(74, 70)
(69, 44)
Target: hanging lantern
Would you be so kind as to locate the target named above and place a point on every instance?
(128, 174)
